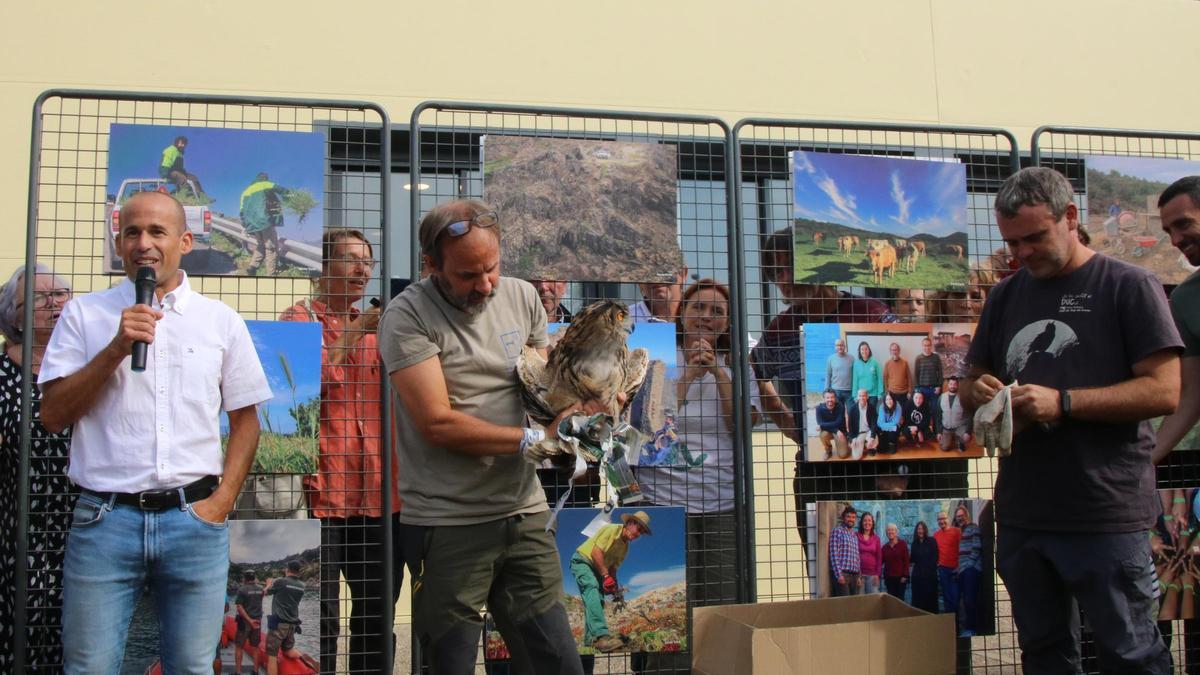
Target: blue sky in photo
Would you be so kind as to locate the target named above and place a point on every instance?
(226, 162)
(901, 197)
(653, 562)
(1156, 169)
(656, 338)
(300, 342)
(818, 347)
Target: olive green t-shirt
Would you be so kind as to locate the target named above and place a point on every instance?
(478, 355)
(1185, 308)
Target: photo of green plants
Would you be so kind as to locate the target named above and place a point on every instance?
(290, 353)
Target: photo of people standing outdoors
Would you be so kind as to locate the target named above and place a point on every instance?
(934, 554)
(886, 391)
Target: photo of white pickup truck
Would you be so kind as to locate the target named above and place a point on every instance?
(198, 218)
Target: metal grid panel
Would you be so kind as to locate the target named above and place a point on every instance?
(1064, 149)
(782, 486)
(446, 139)
(68, 232)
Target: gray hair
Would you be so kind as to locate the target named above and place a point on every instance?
(1032, 186)
(9, 321)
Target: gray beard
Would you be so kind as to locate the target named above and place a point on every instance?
(468, 308)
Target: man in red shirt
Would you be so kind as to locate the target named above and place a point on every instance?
(947, 537)
(346, 492)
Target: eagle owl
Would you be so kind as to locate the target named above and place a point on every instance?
(590, 362)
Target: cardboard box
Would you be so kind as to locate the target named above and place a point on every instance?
(859, 635)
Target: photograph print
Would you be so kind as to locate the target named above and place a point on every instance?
(886, 391)
(253, 200)
(1122, 214)
(902, 541)
(1175, 547)
(642, 606)
(274, 576)
(583, 210)
(884, 222)
(290, 354)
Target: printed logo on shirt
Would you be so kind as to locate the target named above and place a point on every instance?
(511, 341)
(1074, 303)
(1039, 341)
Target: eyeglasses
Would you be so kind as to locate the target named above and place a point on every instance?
(351, 261)
(460, 227)
(41, 299)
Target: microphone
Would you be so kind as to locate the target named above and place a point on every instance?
(144, 284)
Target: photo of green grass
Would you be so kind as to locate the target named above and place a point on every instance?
(883, 222)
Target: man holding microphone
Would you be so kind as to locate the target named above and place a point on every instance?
(146, 451)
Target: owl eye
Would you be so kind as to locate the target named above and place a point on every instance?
(620, 316)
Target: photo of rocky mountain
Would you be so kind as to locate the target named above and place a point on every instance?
(583, 210)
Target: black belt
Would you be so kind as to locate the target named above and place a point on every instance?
(159, 500)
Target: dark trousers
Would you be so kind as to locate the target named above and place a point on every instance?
(895, 587)
(968, 593)
(1050, 575)
(511, 565)
(353, 548)
(925, 591)
(848, 588)
(888, 442)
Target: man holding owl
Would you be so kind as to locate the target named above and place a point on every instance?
(473, 526)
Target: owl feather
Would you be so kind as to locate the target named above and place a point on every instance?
(592, 362)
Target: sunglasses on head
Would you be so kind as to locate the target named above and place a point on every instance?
(460, 227)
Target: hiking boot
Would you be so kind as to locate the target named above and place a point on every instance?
(606, 644)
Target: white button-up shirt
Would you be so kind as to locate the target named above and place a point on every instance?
(159, 428)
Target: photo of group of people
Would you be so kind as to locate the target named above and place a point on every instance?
(1175, 545)
(271, 604)
(876, 390)
(878, 546)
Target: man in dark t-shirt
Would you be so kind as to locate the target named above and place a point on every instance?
(248, 618)
(779, 357)
(286, 592)
(1089, 343)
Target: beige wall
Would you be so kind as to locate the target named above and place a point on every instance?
(1016, 64)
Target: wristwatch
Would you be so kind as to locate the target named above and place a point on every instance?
(1064, 402)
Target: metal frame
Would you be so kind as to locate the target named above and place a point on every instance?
(1007, 160)
(31, 258)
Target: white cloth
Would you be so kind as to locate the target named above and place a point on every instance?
(707, 488)
(994, 423)
(641, 314)
(159, 428)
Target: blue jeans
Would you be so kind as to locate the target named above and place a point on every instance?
(870, 584)
(948, 580)
(113, 551)
(1051, 575)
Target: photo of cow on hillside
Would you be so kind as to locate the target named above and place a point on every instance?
(879, 221)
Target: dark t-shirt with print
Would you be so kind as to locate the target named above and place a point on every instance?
(250, 596)
(288, 591)
(1084, 329)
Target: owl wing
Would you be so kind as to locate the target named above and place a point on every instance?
(531, 371)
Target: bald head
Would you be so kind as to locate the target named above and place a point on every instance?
(143, 200)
